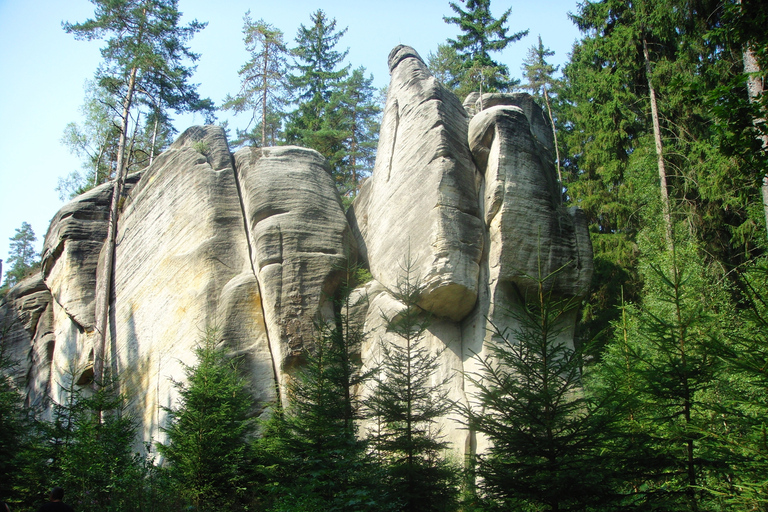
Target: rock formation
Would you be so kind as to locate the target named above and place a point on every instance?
(254, 244)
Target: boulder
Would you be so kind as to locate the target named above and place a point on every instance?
(26, 336)
(531, 233)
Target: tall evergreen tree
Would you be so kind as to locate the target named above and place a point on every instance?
(262, 83)
(359, 115)
(481, 34)
(144, 61)
(406, 404)
(22, 257)
(208, 431)
(318, 72)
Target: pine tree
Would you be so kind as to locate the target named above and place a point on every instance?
(541, 80)
(263, 87)
(547, 436)
(407, 403)
(144, 63)
(482, 33)
(22, 257)
(95, 141)
(207, 436)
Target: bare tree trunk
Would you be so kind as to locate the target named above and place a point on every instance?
(554, 134)
(104, 271)
(665, 205)
(755, 89)
(264, 99)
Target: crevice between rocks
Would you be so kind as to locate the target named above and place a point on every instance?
(249, 239)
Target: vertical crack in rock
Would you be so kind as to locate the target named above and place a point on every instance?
(249, 240)
(396, 108)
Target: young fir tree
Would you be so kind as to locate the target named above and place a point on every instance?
(744, 350)
(546, 435)
(88, 449)
(262, 84)
(207, 443)
(481, 34)
(406, 404)
(663, 365)
(328, 459)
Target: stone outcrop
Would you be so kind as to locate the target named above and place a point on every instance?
(420, 200)
(255, 244)
(300, 241)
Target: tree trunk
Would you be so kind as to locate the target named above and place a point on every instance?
(106, 264)
(265, 96)
(665, 205)
(755, 89)
(554, 135)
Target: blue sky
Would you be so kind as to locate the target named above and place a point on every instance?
(43, 69)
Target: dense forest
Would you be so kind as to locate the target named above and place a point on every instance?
(659, 119)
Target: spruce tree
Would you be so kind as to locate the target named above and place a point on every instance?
(321, 444)
(481, 34)
(406, 404)
(317, 73)
(664, 367)
(547, 437)
(207, 437)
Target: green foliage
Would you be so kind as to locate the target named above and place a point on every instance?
(406, 404)
(481, 34)
(336, 113)
(547, 436)
(262, 84)
(96, 140)
(207, 435)
(22, 257)
(327, 461)
(15, 428)
(665, 371)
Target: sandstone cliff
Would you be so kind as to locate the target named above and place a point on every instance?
(252, 243)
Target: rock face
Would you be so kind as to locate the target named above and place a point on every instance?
(255, 244)
(421, 199)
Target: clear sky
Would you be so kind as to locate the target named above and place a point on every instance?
(43, 69)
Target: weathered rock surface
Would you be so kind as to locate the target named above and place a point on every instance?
(300, 238)
(420, 201)
(182, 266)
(530, 230)
(26, 335)
(255, 244)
